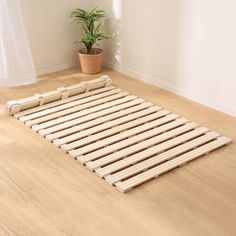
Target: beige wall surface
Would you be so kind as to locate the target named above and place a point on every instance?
(185, 46)
(50, 32)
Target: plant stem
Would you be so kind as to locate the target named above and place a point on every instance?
(89, 49)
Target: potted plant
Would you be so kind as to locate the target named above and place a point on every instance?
(90, 21)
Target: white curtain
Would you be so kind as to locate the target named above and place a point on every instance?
(16, 64)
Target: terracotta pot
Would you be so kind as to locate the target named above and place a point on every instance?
(91, 63)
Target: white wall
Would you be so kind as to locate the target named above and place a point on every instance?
(185, 46)
(50, 32)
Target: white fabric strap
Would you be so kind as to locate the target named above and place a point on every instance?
(40, 97)
(64, 92)
(107, 79)
(86, 85)
(12, 103)
(13, 106)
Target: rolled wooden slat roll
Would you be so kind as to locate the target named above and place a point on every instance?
(15, 106)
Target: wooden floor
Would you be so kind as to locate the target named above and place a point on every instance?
(43, 192)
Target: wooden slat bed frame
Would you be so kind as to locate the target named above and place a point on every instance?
(122, 138)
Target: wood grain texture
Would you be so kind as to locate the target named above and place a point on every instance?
(139, 153)
(44, 193)
(39, 99)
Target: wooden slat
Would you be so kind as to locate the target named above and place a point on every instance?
(126, 134)
(115, 130)
(151, 142)
(75, 109)
(83, 113)
(105, 126)
(58, 94)
(93, 116)
(67, 105)
(120, 137)
(98, 121)
(128, 142)
(152, 161)
(127, 185)
(100, 82)
(61, 102)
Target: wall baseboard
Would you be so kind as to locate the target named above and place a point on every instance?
(192, 95)
(55, 68)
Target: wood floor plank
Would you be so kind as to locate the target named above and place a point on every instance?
(75, 109)
(93, 116)
(115, 130)
(105, 126)
(117, 135)
(150, 142)
(67, 105)
(63, 101)
(95, 122)
(128, 133)
(127, 185)
(82, 113)
(128, 142)
(152, 161)
(43, 193)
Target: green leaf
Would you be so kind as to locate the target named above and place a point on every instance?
(90, 21)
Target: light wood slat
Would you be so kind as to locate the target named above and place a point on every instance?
(58, 94)
(92, 84)
(83, 113)
(115, 130)
(69, 105)
(75, 109)
(126, 134)
(93, 116)
(63, 101)
(152, 161)
(98, 121)
(156, 171)
(120, 137)
(128, 142)
(105, 126)
(151, 142)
